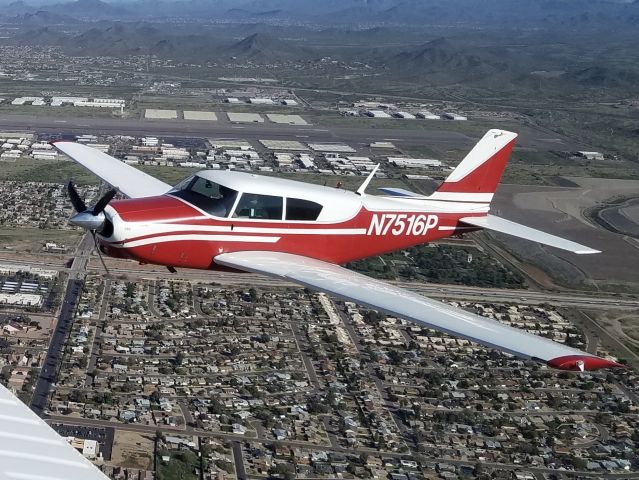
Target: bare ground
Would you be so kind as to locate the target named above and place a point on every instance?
(132, 450)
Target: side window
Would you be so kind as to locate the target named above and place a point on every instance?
(264, 207)
(298, 209)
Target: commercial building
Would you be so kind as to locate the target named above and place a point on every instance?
(20, 299)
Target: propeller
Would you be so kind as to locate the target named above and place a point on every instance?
(91, 219)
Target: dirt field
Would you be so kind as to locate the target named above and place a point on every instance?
(621, 332)
(559, 211)
(32, 240)
(132, 450)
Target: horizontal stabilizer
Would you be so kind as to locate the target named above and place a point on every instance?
(501, 225)
(400, 192)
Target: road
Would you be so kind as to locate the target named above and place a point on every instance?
(99, 330)
(238, 458)
(238, 439)
(440, 291)
(53, 360)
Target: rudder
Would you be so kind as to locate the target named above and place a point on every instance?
(477, 176)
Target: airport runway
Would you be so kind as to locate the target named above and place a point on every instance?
(438, 136)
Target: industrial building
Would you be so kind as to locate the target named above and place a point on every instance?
(404, 115)
(35, 101)
(415, 162)
(283, 145)
(598, 156)
(453, 116)
(377, 114)
(426, 115)
(331, 147)
(261, 101)
(382, 145)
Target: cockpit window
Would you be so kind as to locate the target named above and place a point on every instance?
(263, 207)
(209, 196)
(298, 209)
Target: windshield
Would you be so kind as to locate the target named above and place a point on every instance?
(206, 195)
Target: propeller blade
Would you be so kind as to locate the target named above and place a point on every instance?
(104, 201)
(99, 252)
(76, 201)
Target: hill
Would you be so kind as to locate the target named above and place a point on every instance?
(443, 60)
(263, 48)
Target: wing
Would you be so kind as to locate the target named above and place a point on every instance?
(393, 300)
(129, 180)
(31, 450)
(501, 225)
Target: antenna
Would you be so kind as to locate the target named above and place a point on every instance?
(360, 190)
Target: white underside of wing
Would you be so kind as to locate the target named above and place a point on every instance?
(31, 450)
(501, 225)
(129, 180)
(393, 300)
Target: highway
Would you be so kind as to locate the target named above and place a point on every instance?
(438, 291)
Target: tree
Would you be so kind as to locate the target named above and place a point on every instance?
(253, 295)
(179, 358)
(155, 396)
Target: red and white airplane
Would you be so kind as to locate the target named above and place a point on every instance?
(225, 220)
(221, 220)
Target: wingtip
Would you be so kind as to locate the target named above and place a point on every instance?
(587, 251)
(581, 363)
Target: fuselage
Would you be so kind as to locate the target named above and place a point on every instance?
(173, 231)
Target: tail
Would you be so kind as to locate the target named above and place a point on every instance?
(476, 178)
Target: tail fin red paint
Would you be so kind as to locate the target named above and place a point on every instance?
(476, 178)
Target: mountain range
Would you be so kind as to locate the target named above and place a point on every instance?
(570, 13)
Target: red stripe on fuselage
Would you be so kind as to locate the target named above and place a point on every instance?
(340, 248)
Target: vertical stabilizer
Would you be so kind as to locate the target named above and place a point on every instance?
(476, 178)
